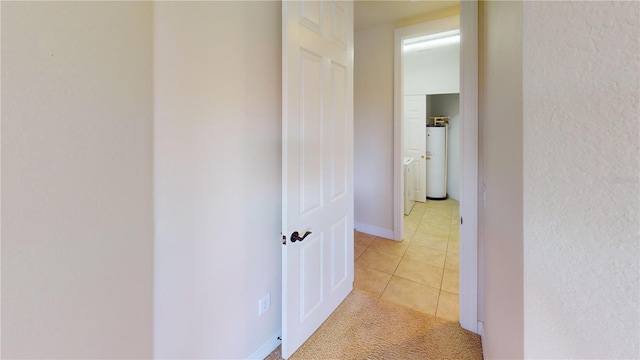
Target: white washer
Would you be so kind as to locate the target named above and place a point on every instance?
(408, 185)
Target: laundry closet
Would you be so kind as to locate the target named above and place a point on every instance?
(431, 117)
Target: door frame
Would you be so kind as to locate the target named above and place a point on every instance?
(468, 21)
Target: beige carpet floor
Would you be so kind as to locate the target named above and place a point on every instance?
(365, 327)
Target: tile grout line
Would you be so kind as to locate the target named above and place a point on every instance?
(385, 286)
(443, 268)
(413, 231)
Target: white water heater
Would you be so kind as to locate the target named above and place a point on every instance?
(436, 161)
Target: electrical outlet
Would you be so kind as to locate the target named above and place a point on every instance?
(264, 304)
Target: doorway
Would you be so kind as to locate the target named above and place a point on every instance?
(430, 73)
(467, 22)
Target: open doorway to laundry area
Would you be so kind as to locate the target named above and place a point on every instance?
(445, 240)
(421, 270)
(429, 114)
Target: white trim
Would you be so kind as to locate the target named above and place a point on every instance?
(482, 337)
(0, 183)
(374, 230)
(398, 153)
(469, 165)
(267, 348)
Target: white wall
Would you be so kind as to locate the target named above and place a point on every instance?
(500, 169)
(217, 82)
(77, 212)
(581, 186)
(449, 105)
(78, 163)
(373, 129)
(432, 71)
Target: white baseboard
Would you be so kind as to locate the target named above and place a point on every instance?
(267, 348)
(481, 332)
(374, 230)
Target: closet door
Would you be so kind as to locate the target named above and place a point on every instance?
(415, 116)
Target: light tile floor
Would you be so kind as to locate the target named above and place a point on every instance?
(422, 270)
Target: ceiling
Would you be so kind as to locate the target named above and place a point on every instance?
(369, 14)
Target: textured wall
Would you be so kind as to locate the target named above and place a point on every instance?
(581, 186)
(500, 168)
(77, 211)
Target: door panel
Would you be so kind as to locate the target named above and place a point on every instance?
(339, 127)
(317, 164)
(339, 251)
(310, 131)
(310, 274)
(415, 116)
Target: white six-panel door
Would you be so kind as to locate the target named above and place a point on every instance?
(317, 162)
(415, 116)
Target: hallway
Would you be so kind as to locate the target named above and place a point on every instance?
(422, 271)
